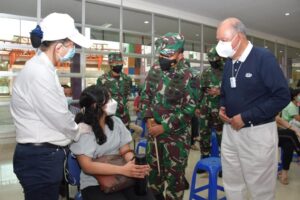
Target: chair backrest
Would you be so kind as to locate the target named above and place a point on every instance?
(214, 144)
(72, 170)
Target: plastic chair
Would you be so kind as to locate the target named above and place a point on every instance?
(280, 166)
(295, 157)
(213, 166)
(142, 144)
(72, 173)
(141, 122)
(144, 128)
(214, 144)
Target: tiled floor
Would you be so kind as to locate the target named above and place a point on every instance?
(11, 190)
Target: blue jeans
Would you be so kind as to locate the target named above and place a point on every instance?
(39, 170)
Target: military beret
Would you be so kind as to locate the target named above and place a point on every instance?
(169, 43)
(114, 58)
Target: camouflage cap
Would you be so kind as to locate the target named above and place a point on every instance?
(212, 54)
(114, 58)
(169, 44)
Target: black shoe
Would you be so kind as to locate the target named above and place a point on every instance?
(186, 184)
(200, 171)
(220, 174)
(159, 197)
(204, 156)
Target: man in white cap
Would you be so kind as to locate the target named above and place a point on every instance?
(44, 126)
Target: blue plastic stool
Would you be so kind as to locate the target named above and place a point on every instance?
(214, 144)
(280, 166)
(144, 128)
(213, 166)
(141, 122)
(295, 157)
(142, 143)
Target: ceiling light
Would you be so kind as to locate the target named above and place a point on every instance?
(197, 35)
(287, 14)
(146, 22)
(266, 47)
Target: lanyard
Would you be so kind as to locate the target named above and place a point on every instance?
(233, 78)
(232, 69)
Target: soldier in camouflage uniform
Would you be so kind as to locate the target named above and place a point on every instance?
(209, 106)
(119, 85)
(168, 103)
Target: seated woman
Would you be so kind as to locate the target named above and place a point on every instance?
(108, 136)
(291, 112)
(289, 142)
(288, 136)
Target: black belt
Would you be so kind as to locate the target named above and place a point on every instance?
(259, 123)
(45, 144)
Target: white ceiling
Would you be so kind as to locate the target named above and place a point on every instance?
(266, 16)
(263, 15)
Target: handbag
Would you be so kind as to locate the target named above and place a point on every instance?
(113, 183)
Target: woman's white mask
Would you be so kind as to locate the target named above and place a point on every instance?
(111, 107)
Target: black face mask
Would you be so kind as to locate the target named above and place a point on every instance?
(216, 64)
(166, 64)
(117, 68)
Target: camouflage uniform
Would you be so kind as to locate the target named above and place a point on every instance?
(169, 98)
(119, 87)
(209, 106)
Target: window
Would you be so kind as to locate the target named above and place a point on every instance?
(71, 7)
(13, 7)
(164, 25)
(258, 42)
(134, 20)
(192, 46)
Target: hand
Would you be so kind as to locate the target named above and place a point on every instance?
(84, 128)
(213, 91)
(223, 116)
(295, 129)
(298, 133)
(197, 112)
(151, 122)
(237, 122)
(137, 171)
(156, 130)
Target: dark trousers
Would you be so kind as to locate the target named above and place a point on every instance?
(288, 141)
(94, 192)
(39, 170)
(194, 129)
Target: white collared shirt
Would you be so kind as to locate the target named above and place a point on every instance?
(245, 53)
(39, 107)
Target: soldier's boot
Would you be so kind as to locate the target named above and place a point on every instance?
(220, 174)
(201, 171)
(159, 197)
(186, 184)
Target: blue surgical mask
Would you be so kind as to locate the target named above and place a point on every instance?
(68, 56)
(69, 100)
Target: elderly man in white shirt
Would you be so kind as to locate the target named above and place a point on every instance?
(44, 126)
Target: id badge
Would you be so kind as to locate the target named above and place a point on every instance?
(232, 82)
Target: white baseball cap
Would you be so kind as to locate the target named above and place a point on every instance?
(57, 26)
